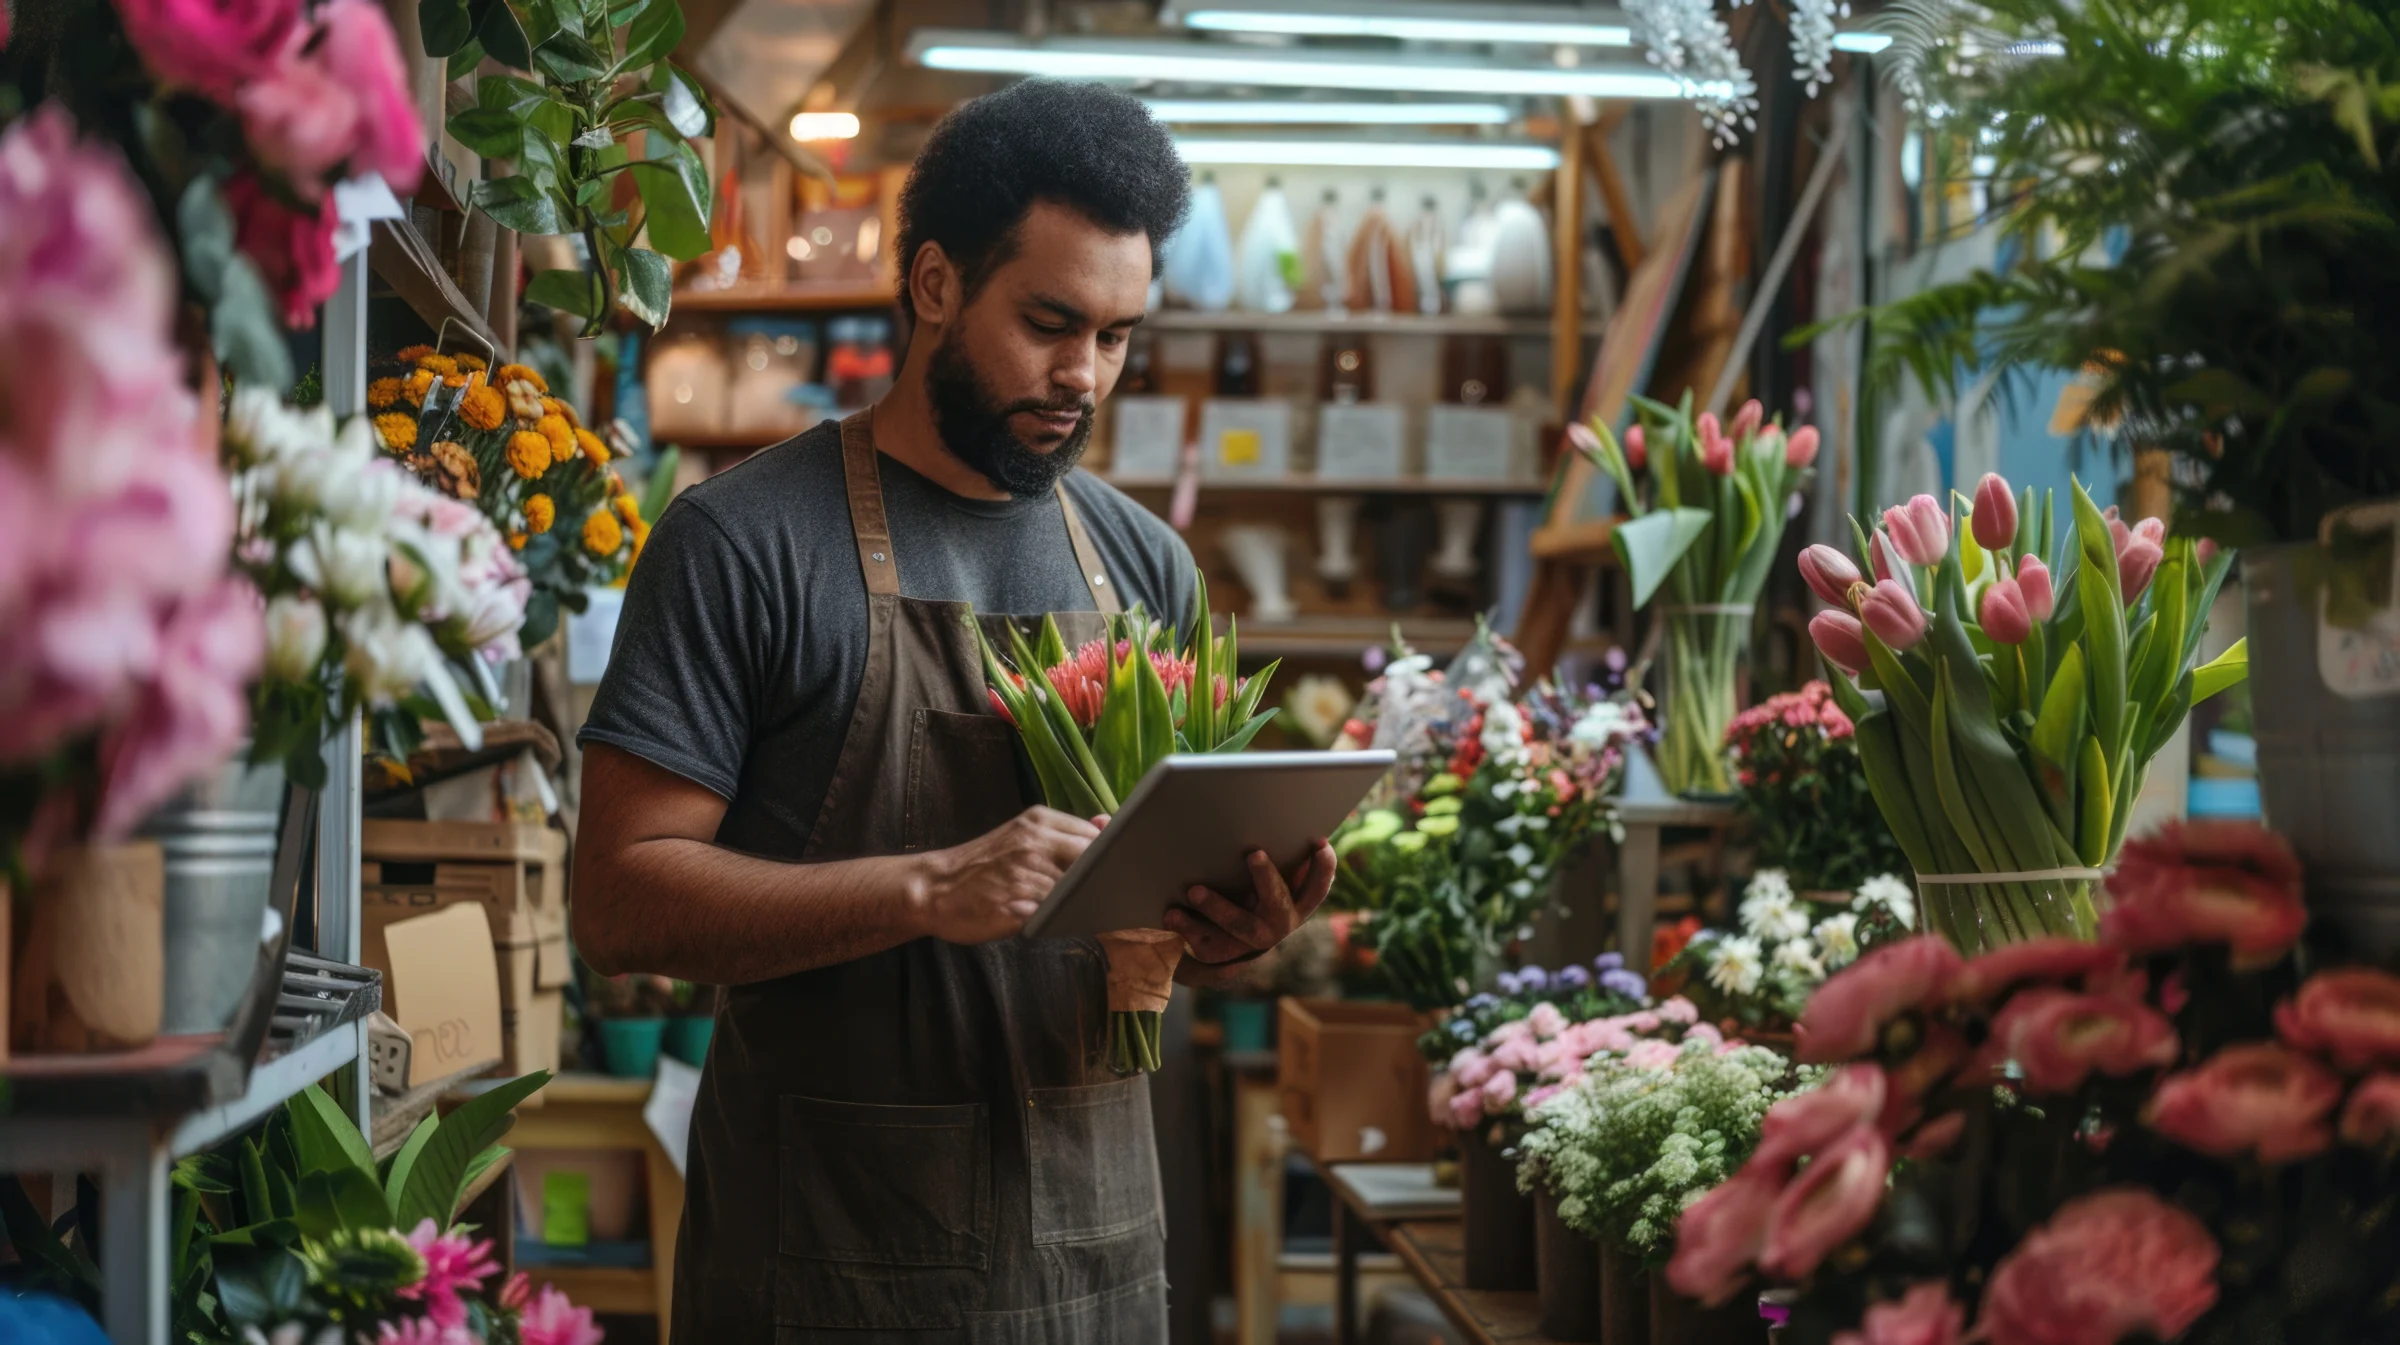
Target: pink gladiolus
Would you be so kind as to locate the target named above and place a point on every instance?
(455, 1264)
(1719, 1236)
(1801, 449)
(2350, 1015)
(2061, 1038)
(2048, 959)
(2107, 1267)
(1919, 530)
(2373, 1114)
(1995, 518)
(2033, 580)
(1806, 1123)
(1747, 420)
(1637, 447)
(2003, 615)
(293, 249)
(1832, 1201)
(356, 43)
(2206, 882)
(2253, 1098)
(2136, 564)
(1891, 611)
(211, 46)
(1925, 1315)
(1848, 1013)
(1716, 454)
(551, 1319)
(1838, 638)
(1829, 574)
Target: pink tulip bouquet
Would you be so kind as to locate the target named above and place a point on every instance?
(1706, 528)
(2007, 706)
(2179, 1128)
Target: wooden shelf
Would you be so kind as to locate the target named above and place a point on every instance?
(1306, 321)
(1325, 485)
(785, 299)
(608, 1289)
(407, 262)
(1350, 636)
(1435, 1253)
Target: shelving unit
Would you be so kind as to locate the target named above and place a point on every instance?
(1343, 322)
(783, 299)
(1325, 485)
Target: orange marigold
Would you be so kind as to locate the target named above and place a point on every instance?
(628, 509)
(412, 354)
(382, 393)
(594, 451)
(483, 407)
(442, 365)
(601, 534)
(397, 429)
(561, 437)
(516, 541)
(528, 454)
(540, 512)
(511, 372)
(418, 384)
(471, 363)
(455, 380)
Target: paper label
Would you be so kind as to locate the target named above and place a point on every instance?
(1149, 436)
(1360, 442)
(2364, 663)
(1238, 448)
(591, 634)
(1466, 443)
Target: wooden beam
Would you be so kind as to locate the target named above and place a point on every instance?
(1566, 310)
(1583, 542)
(1621, 222)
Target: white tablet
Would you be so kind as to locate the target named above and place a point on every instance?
(1191, 822)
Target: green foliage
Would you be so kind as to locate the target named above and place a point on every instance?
(591, 73)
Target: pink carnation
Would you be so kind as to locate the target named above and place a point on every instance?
(2107, 1266)
(2257, 1098)
(1832, 1201)
(552, 1320)
(2350, 1015)
(2373, 1114)
(2061, 1038)
(2207, 882)
(1925, 1315)
(1847, 1014)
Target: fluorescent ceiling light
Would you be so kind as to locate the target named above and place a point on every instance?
(1546, 26)
(1294, 112)
(1198, 63)
(825, 126)
(1863, 43)
(1496, 156)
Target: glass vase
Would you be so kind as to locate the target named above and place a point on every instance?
(1704, 652)
(1977, 917)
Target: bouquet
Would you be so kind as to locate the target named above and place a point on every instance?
(1804, 794)
(1581, 993)
(2007, 707)
(498, 440)
(1093, 724)
(1788, 943)
(1710, 524)
(2181, 1131)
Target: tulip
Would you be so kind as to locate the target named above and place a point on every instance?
(1708, 428)
(2137, 563)
(2151, 530)
(1581, 439)
(1891, 611)
(2033, 580)
(1920, 531)
(1801, 449)
(1716, 454)
(2003, 612)
(1879, 555)
(1838, 639)
(1829, 574)
(1747, 420)
(1995, 517)
(295, 638)
(1637, 448)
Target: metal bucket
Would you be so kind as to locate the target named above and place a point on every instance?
(2328, 766)
(219, 838)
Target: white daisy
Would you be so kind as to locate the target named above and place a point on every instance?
(1773, 916)
(1799, 957)
(1771, 883)
(1838, 937)
(1737, 966)
(1892, 895)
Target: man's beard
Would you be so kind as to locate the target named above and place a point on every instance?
(973, 424)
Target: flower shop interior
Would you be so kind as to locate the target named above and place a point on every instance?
(1790, 487)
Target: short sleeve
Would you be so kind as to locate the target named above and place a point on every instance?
(682, 689)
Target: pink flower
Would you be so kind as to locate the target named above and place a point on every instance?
(1925, 1315)
(1879, 555)
(2373, 1113)
(292, 249)
(2350, 1015)
(2136, 563)
(1832, 1201)
(423, 1331)
(1439, 1095)
(1939, 1055)
(212, 46)
(2254, 1097)
(1517, 1054)
(1675, 1010)
(1637, 447)
(300, 119)
(359, 49)
(2003, 613)
(193, 715)
(1806, 1123)
(1995, 518)
(1707, 427)
(1934, 1138)
(1466, 1109)
(455, 1264)
(552, 1320)
(2207, 882)
(2106, 1267)
(1542, 1094)
(1829, 574)
(1719, 1236)
(1839, 638)
(1716, 454)
(1747, 420)
(1547, 1021)
(1515, 1029)
(1800, 450)
(1891, 611)
(1471, 1067)
(1653, 1053)
(1499, 1091)
(1919, 530)
(1581, 439)
(2059, 1038)
(2033, 580)
(2046, 959)
(1847, 1014)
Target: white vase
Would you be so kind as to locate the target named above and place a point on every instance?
(1268, 255)
(1457, 522)
(1427, 240)
(1520, 259)
(1199, 263)
(1337, 537)
(1257, 552)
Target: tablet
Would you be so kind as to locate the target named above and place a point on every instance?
(1191, 822)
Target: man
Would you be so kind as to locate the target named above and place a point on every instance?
(906, 1128)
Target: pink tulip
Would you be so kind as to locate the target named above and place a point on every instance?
(1805, 1123)
(2061, 1038)
(1831, 1202)
(1637, 447)
(1920, 531)
(1925, 1315)
(2151, 530)
(2049, 959)
(1995, 516)
(1839, 640)
(2373, 1116)
(1847, 1014)
(2136, 564)
(2206, 882)
(1891, 611)
(1581, 438)
(1708, 428)
(2033, 580)
(2002, 613)
(2107, 1267)
(2350, 1015)
(1747, 420)
(2205, 550)
(358, 47)
(1879, 556)
(1716, 454)
(1801, 449)
(1719, 1236)
(2119, 534)
(211, 46)
(1829, 574)
(2253, 1098)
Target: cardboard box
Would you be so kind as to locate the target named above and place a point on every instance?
(441, 985)
(1353, 1081)
(530, 1033)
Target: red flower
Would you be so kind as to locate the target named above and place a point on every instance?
(2373, 1116)
(292, 249)
(1719, 1236)
(2059, 1038)
(2351, 1016)
(1925, 1315)
(1847, 1013)
(2256, 1097)
(2207, 882)
(1805, 1123)
(2107, 1266)
(1833, 1201)
(2049, 959)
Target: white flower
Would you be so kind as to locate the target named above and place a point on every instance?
(1771, 883)
(1891, 894)
(1800, 957)
(1736, 966)
(387, 656)
(1520, 855)
(361, 493)
(1511, 824)
(261, 429)
(1601, 725)
(295, 639)
(345, 568)
(1686, 39)
(1520, 889)
(1504, 789)
(1838, 936)
(1772, 914)
(1537, 872)
(1503, 732)
(1536, 822)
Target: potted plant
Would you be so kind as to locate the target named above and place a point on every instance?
(1756, 979)
(1805, 796)
(693, 1022)
(630, 1012)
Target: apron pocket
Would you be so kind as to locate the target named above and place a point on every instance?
(1094, 1162)
(1132, 1314)
(886, 1186)
(962, 778)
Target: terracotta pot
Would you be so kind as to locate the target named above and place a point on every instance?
(1498, 1218)
(1676, 1320)
(90, 974)
(1624, 1297)
(1569, 1266)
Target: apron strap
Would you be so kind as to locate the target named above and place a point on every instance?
(1087, 557)
(867, 520)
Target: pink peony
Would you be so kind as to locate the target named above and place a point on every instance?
(1805, 1123)
(356, 43)
(1995, 518)
(1925, 1315)
(2351, 1016)
(293, 249)
(1919, 530)
(2256, 1097)
(1848, 1013)
(2207, 882)
(2107, 1266)
(552, 1320)
(1718, 1237)
(1546, 1020)
(2373, 1114)
(1832, 1201)
(211, 46)
(2060, 1038)
(456, 1264)
(1499, 1091)
(2046, 959)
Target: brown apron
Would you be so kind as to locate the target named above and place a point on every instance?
(924, 1145)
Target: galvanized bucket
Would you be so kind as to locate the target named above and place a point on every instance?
(219, 837)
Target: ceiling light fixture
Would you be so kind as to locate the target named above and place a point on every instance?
(825, 126)
(1496, 156)
(1861, 43)
(1296, 112)
(1538, 24)
(1197, 63)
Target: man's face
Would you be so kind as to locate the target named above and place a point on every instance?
(1018, 374)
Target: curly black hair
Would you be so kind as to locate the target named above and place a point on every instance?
(1092, 149)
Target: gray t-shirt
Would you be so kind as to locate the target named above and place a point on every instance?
(744, 634)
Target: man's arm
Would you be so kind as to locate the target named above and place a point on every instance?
(655, 893)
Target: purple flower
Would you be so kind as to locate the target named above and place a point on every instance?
(1532, 980)
(1626, 983)
(1508, 983)
(1483, 1003)
(1608, 961)
(1570, 978)
(1374, 659)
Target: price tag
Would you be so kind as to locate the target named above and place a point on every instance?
(1238, 448)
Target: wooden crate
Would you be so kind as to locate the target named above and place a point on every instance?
(1353, 1082)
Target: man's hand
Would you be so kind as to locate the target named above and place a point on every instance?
(985, 889)
(1223, 932)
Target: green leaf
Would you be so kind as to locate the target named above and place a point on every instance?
(327, 1139)
(463, 62)
(519, 203)
(659, 490)
(490, 132)
(511, 94)
(1650, 546)
(440, 1171)
(503, 37)
(1158, 720)
(2223, 671)
(674, 184)
(244, 326)
(205, 228)
(481, 1164)
(568, 58)
(567, 291)
(652, 35)
(541, 618)
(686, 104)
(396, 1180)
(646, 286)
(445, 26)
(344, 1198)
(620, 14)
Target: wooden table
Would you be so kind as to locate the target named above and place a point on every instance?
(592, 1111)
(1432, 1250)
